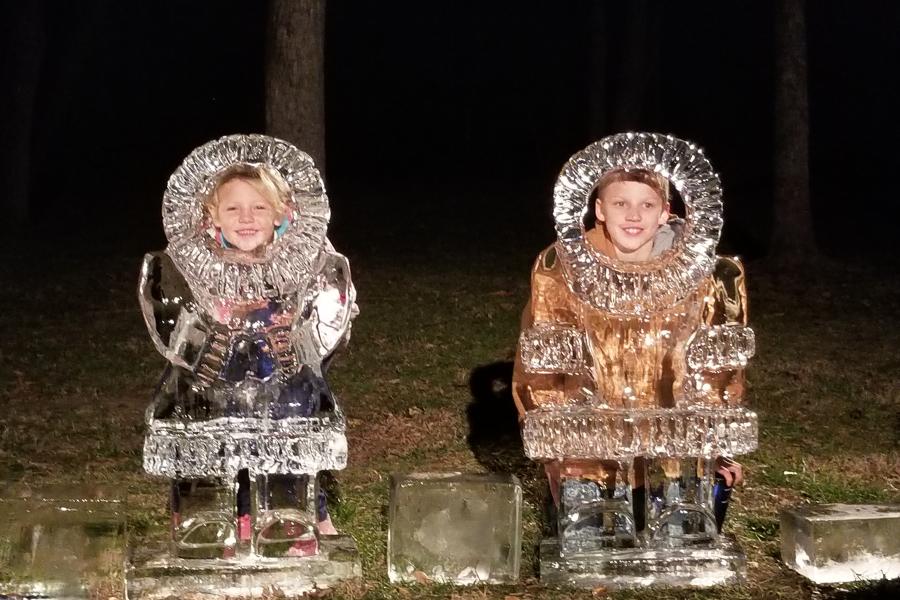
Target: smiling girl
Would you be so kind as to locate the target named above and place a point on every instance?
(247, 206)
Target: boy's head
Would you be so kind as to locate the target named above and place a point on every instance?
(631, 205)
(247, 204)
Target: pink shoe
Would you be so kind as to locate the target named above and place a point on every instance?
(244, 528)
(326, 527)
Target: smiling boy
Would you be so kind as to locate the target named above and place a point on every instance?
(631, 207)
(627, 369)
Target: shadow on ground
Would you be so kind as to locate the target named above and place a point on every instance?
(886, 588)
(494, 421)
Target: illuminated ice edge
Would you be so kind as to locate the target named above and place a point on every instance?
(860, 567)
(222, 447)
(630, 288)
(590, 433)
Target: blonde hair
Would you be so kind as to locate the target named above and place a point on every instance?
(264, 180)
(658, 183)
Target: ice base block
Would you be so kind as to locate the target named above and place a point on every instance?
(153, 573)
(61, 542)
(622, 568)
(836, 543)
(455, 528)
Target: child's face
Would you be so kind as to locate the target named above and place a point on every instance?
(247, 219)
(632, 213)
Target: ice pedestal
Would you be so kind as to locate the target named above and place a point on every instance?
(455, 528)
(154, 574)
(61, 542)
(832, 543)
(278, 549)
(639, 567)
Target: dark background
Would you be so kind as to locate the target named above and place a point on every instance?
(448, 112)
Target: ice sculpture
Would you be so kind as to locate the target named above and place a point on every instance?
(243, 419)
(629, 379)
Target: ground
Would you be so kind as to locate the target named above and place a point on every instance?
(440, 305)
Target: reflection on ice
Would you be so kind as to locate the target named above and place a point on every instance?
(62, 542)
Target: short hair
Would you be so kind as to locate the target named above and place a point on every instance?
(658, 183)
(264, 180)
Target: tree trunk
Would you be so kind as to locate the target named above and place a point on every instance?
(295, 75)
(598, 78)
(24, 39)
(793, 240)
(623, 49)
(640, 27)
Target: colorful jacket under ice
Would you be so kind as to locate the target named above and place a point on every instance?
(248, 339)
(618, 360)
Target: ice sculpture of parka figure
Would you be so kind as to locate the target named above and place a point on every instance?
(629, 376)
(243, 404)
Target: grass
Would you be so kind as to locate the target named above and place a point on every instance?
(78, 371)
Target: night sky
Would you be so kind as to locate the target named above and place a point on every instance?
(429, 101)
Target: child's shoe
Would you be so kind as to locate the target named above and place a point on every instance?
(304, 547)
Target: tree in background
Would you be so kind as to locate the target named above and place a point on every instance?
(23, 42)
(624, 46)
(295, 75)
(793, 239)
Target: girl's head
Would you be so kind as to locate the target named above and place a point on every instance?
(631, 205)
(247, 204)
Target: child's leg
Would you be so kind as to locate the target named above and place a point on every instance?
(639, 494)
(325, 526)
(680, 501)
(594, 505)
(244, 507)
(286, 523)
(202, 518)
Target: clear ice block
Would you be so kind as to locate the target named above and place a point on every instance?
(60, 542)
(455, 528)
(832, 543)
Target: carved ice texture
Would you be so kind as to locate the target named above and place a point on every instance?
(61, 542)
(248, 338)
(614, 434)
(455, 528)
(629, 376)
(834, 543)
(721, 348)
(547, 348)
